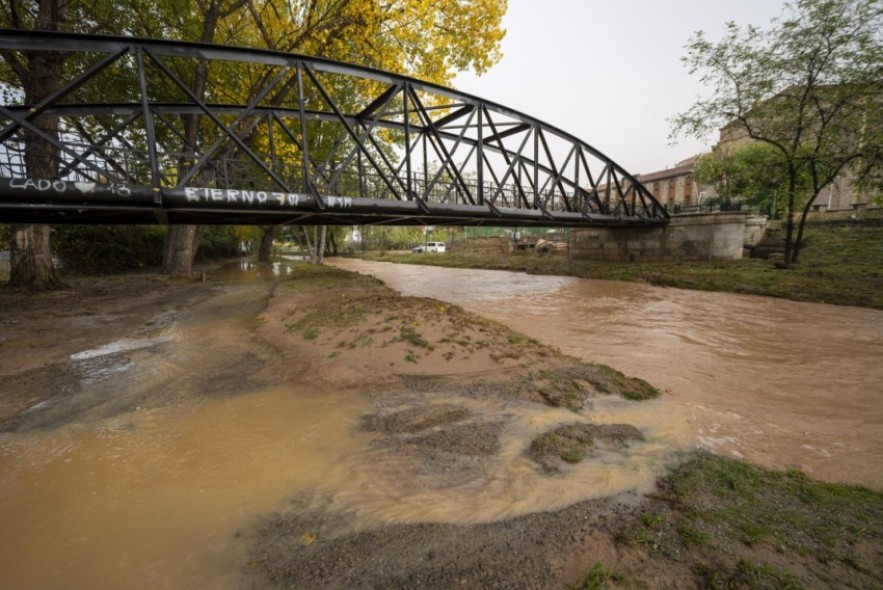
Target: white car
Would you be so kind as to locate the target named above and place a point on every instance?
(429, 247)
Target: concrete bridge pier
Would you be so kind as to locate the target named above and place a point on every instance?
(699, 236)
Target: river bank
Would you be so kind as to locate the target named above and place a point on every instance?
(303, 427)
(841, 265)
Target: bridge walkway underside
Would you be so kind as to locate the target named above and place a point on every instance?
(44, 201)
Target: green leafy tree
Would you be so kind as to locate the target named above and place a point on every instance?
(430, 40)
(810, 87)
(38, 74)
(752, 173)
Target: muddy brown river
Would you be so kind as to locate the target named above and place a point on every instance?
(780, 383)
(214, 429)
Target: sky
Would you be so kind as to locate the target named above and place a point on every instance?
(610, 72)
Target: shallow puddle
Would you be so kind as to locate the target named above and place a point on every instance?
(156, 498)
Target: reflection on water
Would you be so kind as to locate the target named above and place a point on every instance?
(780, 382)
(246, 271)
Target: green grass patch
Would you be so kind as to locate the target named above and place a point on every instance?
(732, 525)
(729, 501)
(749, 575)
(410, 336)
(598, 577)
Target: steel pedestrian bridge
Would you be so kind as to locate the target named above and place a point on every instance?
(157, 131)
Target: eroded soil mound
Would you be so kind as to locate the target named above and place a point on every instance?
(414, 419)
(572, 442)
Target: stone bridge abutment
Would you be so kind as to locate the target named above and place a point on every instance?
(700, 236)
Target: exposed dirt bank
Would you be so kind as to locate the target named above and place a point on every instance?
(446, 491)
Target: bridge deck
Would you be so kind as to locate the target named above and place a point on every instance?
(44, 201)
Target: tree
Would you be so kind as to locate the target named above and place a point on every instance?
(430, 40)
(724, 172)
(810, 87)
(38, 75)
(752, 173)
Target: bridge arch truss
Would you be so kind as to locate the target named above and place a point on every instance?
(278, 138)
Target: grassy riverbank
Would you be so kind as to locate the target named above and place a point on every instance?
(840, 264)
(738, 526)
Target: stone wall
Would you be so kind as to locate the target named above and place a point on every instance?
(706, 236)
(755, 229)
(872, 211)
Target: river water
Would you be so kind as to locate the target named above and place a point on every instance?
(781, 383)
(166, 494)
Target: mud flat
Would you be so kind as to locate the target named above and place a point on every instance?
(310, 428)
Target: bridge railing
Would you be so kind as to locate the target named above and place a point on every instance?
(129, 165)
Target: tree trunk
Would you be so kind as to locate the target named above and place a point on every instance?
(30, 256)
(182, 241)
(310, 251)
(299, 239)
(265, 252)
(334, 251)
(179, 251)
(30, 261)
(320, 247)
(798, 243)
(789, 225)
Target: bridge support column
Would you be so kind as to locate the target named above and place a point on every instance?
(703, 236)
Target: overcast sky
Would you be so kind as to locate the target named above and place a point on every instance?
(609, 72)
